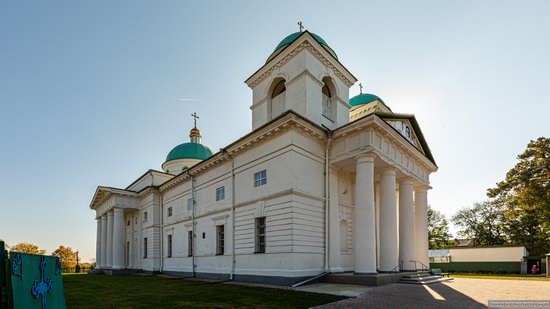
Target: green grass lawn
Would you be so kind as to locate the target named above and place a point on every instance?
(502, 277)
(91, 291)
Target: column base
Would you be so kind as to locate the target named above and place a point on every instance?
(364, 274)
(118, 267)
(336, 270)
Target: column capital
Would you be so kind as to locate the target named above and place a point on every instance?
(118, 209)
(110, 213)
(422, 188)
(406, 181)
(365, 157)
(389, 171)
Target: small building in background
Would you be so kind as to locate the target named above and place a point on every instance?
(483, 259)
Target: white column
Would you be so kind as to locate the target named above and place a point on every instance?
(388, 222)
(98, 244)
(118, 238)
(421, 225)
(131, 241)
(109, 239)
(334, 224)
(104, 241)
(364, 231)
(377, 201)
(406, 226)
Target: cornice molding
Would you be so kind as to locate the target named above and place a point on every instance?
(273, 129)
(378, 125)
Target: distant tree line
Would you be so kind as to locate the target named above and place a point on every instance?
(516, 213)
(66, 254)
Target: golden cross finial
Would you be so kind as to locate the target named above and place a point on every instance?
(301, 26)
(194, 115)
(360, 88)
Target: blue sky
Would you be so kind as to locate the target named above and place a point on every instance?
(89, 90)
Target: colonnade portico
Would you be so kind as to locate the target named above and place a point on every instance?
(402, 227)
(110, 249)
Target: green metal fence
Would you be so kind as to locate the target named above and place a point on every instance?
(3, 276)
(489, 267)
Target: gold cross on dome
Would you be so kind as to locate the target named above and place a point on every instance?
(301, 26)
(194, 115)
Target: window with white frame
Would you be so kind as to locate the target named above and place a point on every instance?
(145, 247)
(327, 103)
(169, 253)
(190, 204)
(260, 235)
(220, 193)
(190, 243)
(260, 178)
(220, 239)
(169, 211)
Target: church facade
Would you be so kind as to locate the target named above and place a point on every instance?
(322, 184)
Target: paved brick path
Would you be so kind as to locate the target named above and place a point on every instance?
(460, 293)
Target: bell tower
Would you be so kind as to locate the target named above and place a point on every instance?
(302, 74)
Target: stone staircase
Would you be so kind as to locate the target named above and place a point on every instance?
(422, 277)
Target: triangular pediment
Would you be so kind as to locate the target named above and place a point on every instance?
(407, 126)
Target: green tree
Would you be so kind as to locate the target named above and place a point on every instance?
(67, 255)
(483, 223)
(27, 248)
(438, 230)
(524, 196)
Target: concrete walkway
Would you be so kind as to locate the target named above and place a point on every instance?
(460, 293)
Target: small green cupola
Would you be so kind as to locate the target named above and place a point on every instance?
(364, 98)
(187, 154)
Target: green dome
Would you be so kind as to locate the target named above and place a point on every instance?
(364, 98)
(189, 151)
(291, 38)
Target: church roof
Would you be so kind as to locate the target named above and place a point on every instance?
(364, 98)
(189, 151)
(292, 37)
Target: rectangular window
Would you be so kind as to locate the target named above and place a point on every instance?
(169, 246)
(260, 235)
(190, 204)
(260, 178)
(144, 248)
(220, 239)
(190, 243)
(169, 211)
(145, 217)
(220, 193)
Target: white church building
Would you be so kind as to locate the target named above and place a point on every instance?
(322, 184)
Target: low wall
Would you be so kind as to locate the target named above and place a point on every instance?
(494, 267)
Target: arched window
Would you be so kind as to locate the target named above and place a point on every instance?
(278, 99)
(344, 245)
(328, 109)
(279, 88)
